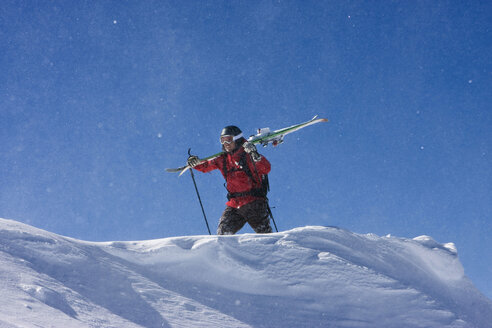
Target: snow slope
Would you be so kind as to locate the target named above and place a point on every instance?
(306, 277)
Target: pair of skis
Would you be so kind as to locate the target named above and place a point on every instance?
(263, 137)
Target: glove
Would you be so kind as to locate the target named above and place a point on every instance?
(251, 149)
(193, 161)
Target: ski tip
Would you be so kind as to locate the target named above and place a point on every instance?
(175, 170)
(315, 118)
(184, 170)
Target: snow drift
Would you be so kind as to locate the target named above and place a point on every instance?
(305, 277)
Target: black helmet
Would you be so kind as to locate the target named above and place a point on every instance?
(230, 130)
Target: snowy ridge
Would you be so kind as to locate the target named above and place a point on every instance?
(305, 277)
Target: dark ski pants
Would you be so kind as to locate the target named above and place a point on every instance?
(255, 213)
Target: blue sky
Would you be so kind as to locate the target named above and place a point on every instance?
(97, 98)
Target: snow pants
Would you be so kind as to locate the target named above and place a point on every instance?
(255, 213)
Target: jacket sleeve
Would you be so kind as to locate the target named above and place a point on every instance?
(210, 165)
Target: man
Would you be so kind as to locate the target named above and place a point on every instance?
(243, 169)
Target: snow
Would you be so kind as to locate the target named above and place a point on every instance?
(305, 277)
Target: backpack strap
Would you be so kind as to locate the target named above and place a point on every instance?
(260, 191)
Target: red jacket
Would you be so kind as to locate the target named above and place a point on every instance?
(237, 180)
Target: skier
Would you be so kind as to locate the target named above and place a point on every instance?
(244, 170)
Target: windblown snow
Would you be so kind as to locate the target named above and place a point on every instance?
(306, 277)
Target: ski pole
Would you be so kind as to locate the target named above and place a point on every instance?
(267, 201)
(199, 198)
(271, 215)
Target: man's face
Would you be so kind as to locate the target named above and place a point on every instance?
(230, 147)
(228, 143)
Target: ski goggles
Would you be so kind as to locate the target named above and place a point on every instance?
(229, 139)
